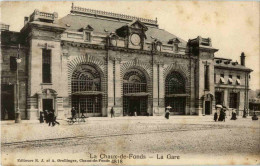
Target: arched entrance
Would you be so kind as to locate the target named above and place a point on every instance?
(175, 93)
(135, 93)
(86, 90)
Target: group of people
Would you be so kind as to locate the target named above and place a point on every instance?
(49, 117)
(220, 115)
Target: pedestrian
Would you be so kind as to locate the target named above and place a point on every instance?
(50, 117)
(112, 112)
(82, 113)
(73, 113)
(45, 114)
(53, 118)
(167, 114)
(234, 115)
(222, 115)
(41, 117)
(54, 122)
(215, 116)
(254, 117)
(5, 114)
(135, 111)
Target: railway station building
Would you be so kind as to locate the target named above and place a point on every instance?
(95, 60)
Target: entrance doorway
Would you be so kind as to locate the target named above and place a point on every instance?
(90, 105)
(7, 102)
(135, 104)
(207, 108)
(177, 103)
(47, 104)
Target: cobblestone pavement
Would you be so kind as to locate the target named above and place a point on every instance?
(182, 135)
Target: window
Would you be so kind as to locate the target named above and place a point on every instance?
(238, 82)
(230, 81)
(13, 63)
(174, 84)
(46, 66)
(219, 97)
(176, 47)
(206, 77)
(233, 100)
(222, 80)
(215, 78)
(87, 36)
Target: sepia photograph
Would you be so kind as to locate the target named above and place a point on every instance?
(130, 83)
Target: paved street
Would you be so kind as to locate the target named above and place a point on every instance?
(190, 137)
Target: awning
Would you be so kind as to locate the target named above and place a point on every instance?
(177, 95)
(230, 80)
(238, 82)
(85, 93)
(222, 80)
(137, 94)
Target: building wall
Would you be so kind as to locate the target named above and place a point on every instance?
(8, 77)
(227, 88)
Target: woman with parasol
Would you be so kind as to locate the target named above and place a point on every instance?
(167, 113)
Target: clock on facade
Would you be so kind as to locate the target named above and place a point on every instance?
(135, 39)
(158, 48)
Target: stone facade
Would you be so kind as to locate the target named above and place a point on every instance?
(99, 60)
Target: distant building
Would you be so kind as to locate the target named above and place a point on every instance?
(94, 60)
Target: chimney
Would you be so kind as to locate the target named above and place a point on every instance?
(242, 59)
(26, 19)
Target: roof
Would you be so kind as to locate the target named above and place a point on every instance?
(231, 65)
(74, 22)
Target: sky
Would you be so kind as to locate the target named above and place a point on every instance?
(233, 26)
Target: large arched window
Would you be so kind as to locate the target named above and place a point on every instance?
(85, 78)
(134, 82)
(86, 90)
(174, 84)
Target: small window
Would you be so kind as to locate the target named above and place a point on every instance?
(87, 36)
(215, 78)
(13, 64)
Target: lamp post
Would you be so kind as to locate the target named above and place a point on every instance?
(17, 112)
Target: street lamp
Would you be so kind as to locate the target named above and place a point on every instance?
(17, 112)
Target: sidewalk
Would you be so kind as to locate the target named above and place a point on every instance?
(32, 130)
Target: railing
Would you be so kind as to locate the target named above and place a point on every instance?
(110, 14)
(42, 15)
(4, 27)
(49, 15)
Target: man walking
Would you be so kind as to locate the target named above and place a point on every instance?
(73, 113)
(112, 112)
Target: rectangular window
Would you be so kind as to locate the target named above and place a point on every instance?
(215, 78)
(233, 100)
(206, 77)
(87, 36)
(13, 63)
(176, 47)
(46, 66)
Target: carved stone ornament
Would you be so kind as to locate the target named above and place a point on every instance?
(45, 45)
